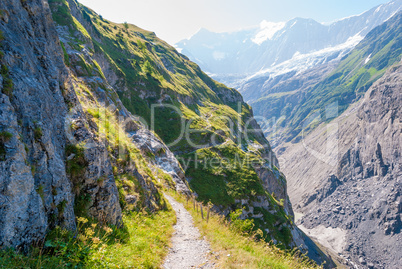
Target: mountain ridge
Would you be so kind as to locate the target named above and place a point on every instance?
(244, 58)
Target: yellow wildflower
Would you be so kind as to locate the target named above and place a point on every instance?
(82, 220)
(96, 240)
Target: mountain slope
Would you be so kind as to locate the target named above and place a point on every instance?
(302, 97)
(155, 73)
(343, 167)
(70, 146)
(345, 177)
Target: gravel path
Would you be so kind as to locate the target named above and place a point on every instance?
(188, 249)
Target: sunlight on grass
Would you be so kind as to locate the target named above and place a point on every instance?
(146, 247)
(143, 242)
(235, 250)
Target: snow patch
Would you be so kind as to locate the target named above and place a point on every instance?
(367, 59)
(267, 31)
(393, 14)
(301, 62)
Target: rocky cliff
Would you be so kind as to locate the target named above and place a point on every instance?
(361, 195)
(346, 178)
(78, 93)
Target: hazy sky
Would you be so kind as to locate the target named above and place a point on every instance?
(174, 20)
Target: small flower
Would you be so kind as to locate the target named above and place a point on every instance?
(89, 232)
(82, 220)
(107, 230)
(82, 238)
(93, 225)
(96, 240)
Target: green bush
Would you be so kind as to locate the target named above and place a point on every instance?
(245, 226)
(5, 136)
(38, 133)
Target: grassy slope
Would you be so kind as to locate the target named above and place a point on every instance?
(138, 245)
(148, 69)
(382, 47)
(234, 249)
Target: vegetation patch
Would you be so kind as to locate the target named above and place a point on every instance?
(75, 168)
(4, 137)
(66, 57)
(223, 174)
(8, 85)
(38, 133)
(93, 245)
(237, 246)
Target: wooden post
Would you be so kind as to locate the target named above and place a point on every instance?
(209, 208)
(194, 203)
(202, 212)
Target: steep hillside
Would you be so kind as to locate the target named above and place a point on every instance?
(137, 64)
(65, 149)
(78, 93)
(345, 178)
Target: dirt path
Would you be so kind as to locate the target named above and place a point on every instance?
(188, 249)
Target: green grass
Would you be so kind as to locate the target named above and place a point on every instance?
(38, 133)
(5, 136)
(235, 247)
(136, 245)
(231, 175)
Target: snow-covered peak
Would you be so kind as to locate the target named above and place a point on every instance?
(303, 61)
(252, 50)
(267, 31)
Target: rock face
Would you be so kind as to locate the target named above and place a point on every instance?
(361, 194)
(47, 119)
(33, 165)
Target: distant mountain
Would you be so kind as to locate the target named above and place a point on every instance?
(280, 47)
(291, 99)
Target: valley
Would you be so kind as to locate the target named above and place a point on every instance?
(115, 144)
(331, 116)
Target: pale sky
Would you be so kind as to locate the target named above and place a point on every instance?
(174, 20)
